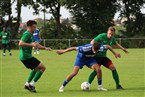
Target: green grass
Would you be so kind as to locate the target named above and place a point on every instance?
(130, 68)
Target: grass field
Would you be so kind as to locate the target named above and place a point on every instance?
(131, 69)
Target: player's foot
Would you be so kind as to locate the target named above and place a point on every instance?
(61, 89)
(32, 88)
(101, 89)
(4, 54)
(119, 87)
(10, 54)
(38, 52)
(27, 87)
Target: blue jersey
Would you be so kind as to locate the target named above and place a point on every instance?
(86, 50)
(85, 55)
(36, 35)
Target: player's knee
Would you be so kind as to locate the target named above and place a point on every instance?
(44, 68)
(112, 67)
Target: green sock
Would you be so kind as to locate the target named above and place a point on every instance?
(92, 76)
(32, 74)
(116, 77)
(37, 75)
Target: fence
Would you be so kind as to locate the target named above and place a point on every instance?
(65, 43)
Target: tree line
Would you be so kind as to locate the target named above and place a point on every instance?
(91, 17)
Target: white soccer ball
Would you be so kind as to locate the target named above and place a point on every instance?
(85, 86)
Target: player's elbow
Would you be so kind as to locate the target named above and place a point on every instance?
(92, 42)
(20, 43)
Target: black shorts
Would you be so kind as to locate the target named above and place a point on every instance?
(6, 45)
(31, 63)
(105, 61)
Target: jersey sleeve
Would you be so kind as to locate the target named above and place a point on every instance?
(25, 37)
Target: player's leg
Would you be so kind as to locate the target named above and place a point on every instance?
(4, 49)
(115, 76)
(108, 64)
(37, 70)
(69, 78)
(35, 50)
(97, 69)
(9, 49)
(92, 76)
(94, 73)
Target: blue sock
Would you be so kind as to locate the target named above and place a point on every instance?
(65, 83)
(99, 81)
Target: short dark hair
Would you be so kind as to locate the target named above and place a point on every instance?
(96, 46)
(111, 28)
(31, 22)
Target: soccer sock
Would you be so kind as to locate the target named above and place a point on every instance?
(4, 50)
(32, 74)
(92, 76)
(37, 75)
(32, 83)
(65, 83)
(116, 77)
(99, 81)
(34, 49)
(9, 48)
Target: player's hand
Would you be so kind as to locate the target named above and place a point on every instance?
(34, 44)
(117, 55)
(48, 49)
(59, 52)
(125, 50)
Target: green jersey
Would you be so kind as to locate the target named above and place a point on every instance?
(5, 37)
(26, 52)
(103, 39)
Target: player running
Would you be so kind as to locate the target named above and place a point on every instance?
(109, 39)
(85, 57)
(26, 43)
(5, 41)
(36, 35)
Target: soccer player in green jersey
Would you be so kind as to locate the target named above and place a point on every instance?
(5, 41)
(26, 43)
(109, 39)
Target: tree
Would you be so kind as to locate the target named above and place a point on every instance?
(131, 9)
(92, 16)
(54, 8)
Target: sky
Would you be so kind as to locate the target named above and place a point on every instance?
(27, 13)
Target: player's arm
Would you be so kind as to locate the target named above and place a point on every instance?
(117, 55)
(92, 41)
(121, 47)
(66, 50)
(43, 47)
(22, 43)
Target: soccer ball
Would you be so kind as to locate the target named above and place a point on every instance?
(85, 86)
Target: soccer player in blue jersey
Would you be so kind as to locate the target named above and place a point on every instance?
(36, 35)
(85, 57)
